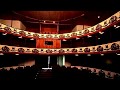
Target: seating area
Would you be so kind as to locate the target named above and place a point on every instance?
(56, 73)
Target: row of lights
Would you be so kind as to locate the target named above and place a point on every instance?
(100, 54)
(75, 54)
(18, 37)
(77, 38)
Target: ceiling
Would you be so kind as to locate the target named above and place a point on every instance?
(63, 17)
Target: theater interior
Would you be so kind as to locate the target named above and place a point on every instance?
(60, 45)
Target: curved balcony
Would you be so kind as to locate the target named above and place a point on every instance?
(99, 49)
(114, 19)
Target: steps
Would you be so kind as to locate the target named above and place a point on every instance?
(45, 74)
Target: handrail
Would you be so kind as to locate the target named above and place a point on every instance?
(98, 49)
(114, 19)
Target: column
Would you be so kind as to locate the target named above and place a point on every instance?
(61, 60)
(40, 27)
(57, 28)
(48, 61)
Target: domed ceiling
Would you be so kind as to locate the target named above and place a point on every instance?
(63, 17)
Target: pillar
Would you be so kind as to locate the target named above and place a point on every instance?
(61, 60)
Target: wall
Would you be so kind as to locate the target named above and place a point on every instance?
(27, 63)
(14, 23)
(67, 64)
(109, 62)
(65, 29)
(40, 43)
(48, 29)
(80, 27)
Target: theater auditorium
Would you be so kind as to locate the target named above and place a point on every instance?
(60, 45)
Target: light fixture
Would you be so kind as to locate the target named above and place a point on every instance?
(98, 16)
(64, 40)
(98, 38)
(44, 21)
(101, 32)
(53, 21)
(89, 36)
(32, 39)
(115, 25)
(118, 53)
(16, 54)
(77, 38)
(4, 34)
(88, 54)
(83, 14)
(1, 54)
(76, 55)
(102, 54)
(20, 37)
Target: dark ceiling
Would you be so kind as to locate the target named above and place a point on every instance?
(63, 17)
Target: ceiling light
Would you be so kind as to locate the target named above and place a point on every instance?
(98, 38)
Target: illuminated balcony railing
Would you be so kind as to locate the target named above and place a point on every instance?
(99, 49)
(114, 19)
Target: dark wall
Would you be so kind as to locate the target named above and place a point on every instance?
(8, 60)
(107, 62)
(41, 61)
(109, 35)
(65, 29)
(15, 41)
